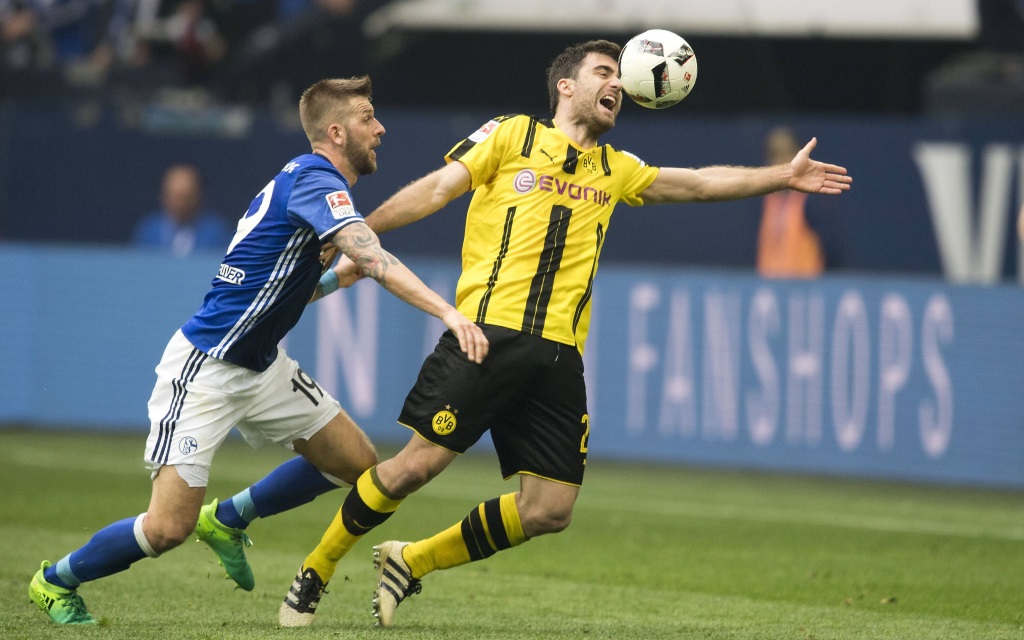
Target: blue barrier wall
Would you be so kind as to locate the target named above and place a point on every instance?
(929, 196)
(911, 379)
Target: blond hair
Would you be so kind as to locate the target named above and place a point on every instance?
(326, 102)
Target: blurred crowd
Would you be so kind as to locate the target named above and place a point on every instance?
(235, 49)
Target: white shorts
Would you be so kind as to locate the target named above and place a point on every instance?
(198, 399)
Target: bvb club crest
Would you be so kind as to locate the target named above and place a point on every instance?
(444, 422)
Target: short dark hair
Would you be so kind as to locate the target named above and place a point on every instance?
(324, 98)
(567, 64)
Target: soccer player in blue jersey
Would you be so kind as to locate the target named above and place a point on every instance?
(224, 369)
(543, 194)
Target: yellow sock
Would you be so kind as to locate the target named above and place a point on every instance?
(366, 506)
(493, 526)
(441, 551)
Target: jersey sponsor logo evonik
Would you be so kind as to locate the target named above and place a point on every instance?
(524, 181)
(574, 191)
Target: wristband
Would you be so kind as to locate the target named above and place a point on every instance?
(329, 282)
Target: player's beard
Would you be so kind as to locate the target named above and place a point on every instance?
(585, 114)
(361, 158)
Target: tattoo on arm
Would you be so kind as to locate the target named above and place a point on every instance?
(360, 244)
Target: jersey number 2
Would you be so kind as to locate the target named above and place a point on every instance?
(257, 209)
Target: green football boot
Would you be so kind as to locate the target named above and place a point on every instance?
(229, 544)
(64, 606)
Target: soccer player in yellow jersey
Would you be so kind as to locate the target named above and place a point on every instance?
(544, 191)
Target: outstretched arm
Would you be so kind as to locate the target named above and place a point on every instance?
(421, 198)
(359, 243)
(413, 202)
(712, 184)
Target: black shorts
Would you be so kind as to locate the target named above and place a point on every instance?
(529, 391)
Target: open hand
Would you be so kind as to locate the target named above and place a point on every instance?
(811, 176)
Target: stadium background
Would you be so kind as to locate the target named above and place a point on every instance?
(904, 364)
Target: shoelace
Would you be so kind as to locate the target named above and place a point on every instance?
(245, 539)
(414, 587)
(239, 536)
(77, 605)
(314, 596)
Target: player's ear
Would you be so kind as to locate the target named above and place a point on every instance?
(566, 86)
(336, 134)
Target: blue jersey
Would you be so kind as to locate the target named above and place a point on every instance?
(272, 264)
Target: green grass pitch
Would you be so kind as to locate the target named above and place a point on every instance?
(653, 552)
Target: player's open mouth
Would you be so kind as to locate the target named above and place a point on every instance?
(608, 101)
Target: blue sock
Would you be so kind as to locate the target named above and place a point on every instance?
(111, 550)
(292, 484)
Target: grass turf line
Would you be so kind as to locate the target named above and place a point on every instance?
(653, 552)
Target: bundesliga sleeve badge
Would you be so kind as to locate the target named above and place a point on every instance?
(341, 205)
(483, 132)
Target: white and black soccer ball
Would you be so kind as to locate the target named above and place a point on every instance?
(658, 68)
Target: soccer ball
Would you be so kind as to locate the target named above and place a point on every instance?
(657, 68)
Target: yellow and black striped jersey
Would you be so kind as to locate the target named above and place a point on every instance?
(536, 224)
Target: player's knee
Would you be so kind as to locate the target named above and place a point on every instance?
(412, 478)
(166, 534)
(559, 521)
(543, 521)
(410, 475)
(413, 467)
